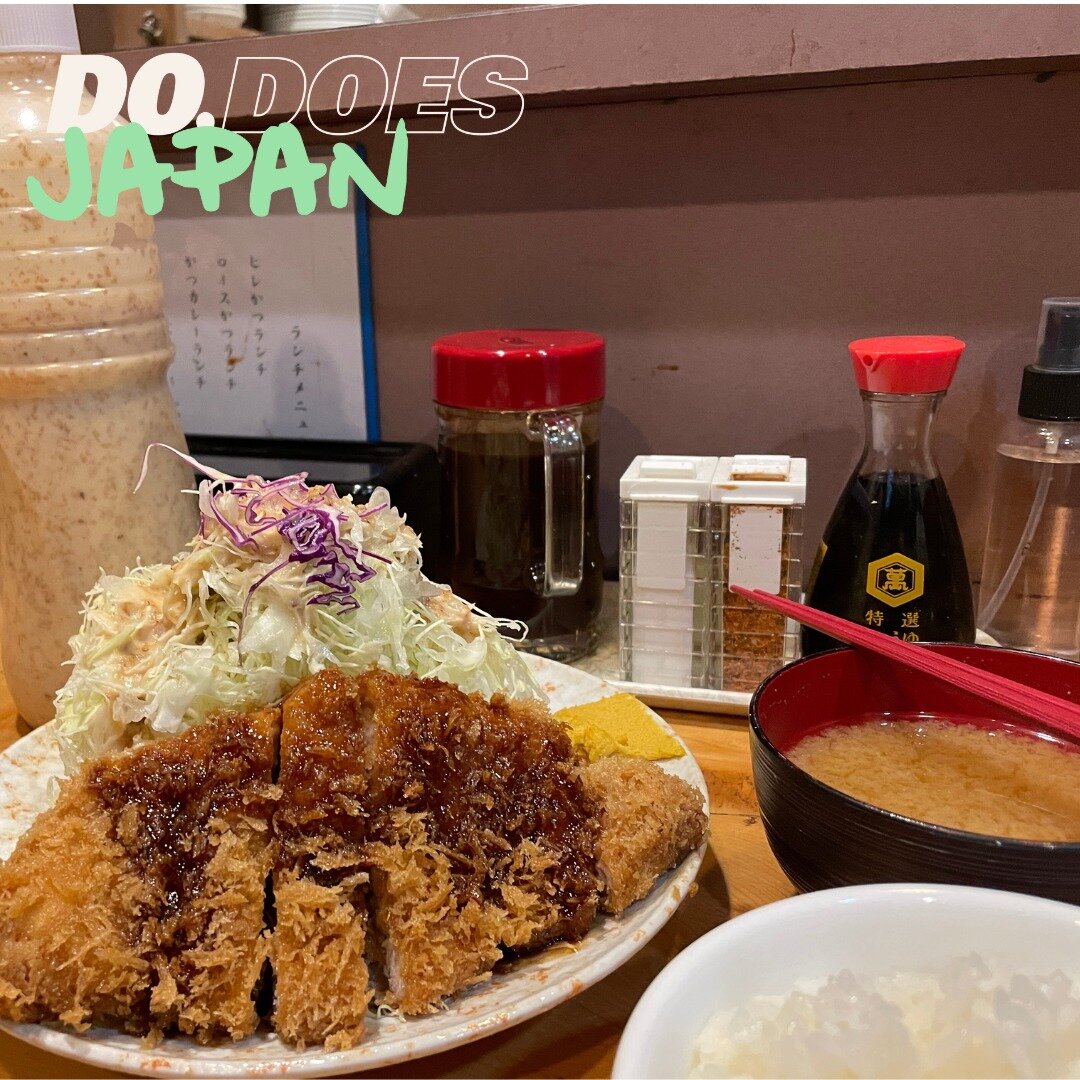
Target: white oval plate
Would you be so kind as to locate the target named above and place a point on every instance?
(530, 987)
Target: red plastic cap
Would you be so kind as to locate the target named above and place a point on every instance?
(905, 365)
(513, 370)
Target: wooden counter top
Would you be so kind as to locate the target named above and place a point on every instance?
(579, 1037)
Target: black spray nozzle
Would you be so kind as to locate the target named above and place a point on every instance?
(1059, 334)
(1051, 386)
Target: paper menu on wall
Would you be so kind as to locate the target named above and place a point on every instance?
(265, 315)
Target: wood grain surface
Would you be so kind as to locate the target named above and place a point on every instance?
(577, 1039)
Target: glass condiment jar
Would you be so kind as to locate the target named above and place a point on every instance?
(83, 355)
(891, 556)
(519, 439)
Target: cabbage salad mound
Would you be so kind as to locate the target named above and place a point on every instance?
(282, 580)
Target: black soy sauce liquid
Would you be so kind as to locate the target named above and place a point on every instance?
(495, 491)
(880, 515)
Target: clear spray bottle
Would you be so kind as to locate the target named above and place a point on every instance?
(1030, 589)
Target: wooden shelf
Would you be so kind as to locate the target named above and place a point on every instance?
(593, 54)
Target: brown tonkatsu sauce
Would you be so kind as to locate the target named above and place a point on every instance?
(322, 779)
(486, 778)
(162, 798)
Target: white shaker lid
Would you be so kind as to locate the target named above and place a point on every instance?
(667, 476)
(763, 479)
(28, 28)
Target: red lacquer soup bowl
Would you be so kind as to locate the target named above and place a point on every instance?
(824, 838)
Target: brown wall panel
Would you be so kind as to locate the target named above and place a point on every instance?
(730, 247)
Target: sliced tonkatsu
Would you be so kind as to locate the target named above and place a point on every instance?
(383, 838)
(466, 820)
(650, 822)
(137, 900)
(483, 836)
(320, 876)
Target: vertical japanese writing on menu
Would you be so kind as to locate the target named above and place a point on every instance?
(191, 279)
(240, 329)
(258, 317)
(299, 408)
(225, 314)
(267, 318)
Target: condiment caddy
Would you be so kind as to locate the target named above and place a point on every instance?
(689, 526)
(756, 506)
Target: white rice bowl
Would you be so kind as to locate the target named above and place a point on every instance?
(1008, 964)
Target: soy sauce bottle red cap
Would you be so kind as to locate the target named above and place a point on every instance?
(905, 365)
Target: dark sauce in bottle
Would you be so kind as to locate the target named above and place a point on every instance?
(892, 559)
(495, 490)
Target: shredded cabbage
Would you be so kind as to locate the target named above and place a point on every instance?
(281, 581)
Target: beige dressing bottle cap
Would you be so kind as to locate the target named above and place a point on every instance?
(28, 28)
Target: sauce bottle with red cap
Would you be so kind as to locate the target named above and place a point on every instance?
(891, 557)
(519, 441)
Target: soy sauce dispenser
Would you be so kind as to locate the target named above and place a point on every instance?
(891, 557)
(519, 441)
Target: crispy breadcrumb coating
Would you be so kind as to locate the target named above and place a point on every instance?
(497, 787)
(415, 837)
(321, 823)
(138, 898)
(318, 957)
(651, 822)
(468, 815)
(71, 944)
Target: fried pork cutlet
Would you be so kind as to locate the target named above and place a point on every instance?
(72, 945)
(469, 816)
(137, 900)
(484, 836)
(320, 932)
(413, 827)
(651, 822)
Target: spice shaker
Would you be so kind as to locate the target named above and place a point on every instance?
(756, 514)
(664, 592)
(519, 440)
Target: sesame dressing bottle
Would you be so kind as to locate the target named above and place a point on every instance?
(891, 557)
(83, 353)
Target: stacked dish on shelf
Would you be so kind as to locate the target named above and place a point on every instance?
(293, 18)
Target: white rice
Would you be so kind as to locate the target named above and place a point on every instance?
(969, 1020)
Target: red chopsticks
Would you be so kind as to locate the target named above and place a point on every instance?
(1047, 710)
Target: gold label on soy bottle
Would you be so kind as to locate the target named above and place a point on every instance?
(895, 580)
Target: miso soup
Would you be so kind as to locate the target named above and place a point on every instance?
(999, 782)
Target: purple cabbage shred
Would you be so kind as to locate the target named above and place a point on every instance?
(313, 532)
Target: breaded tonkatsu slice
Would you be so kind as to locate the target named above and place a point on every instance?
(72, 944)
(469, 817)
(484, 837)
(137, 900)
(193, 816)
(319, 939)
(651, 822)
